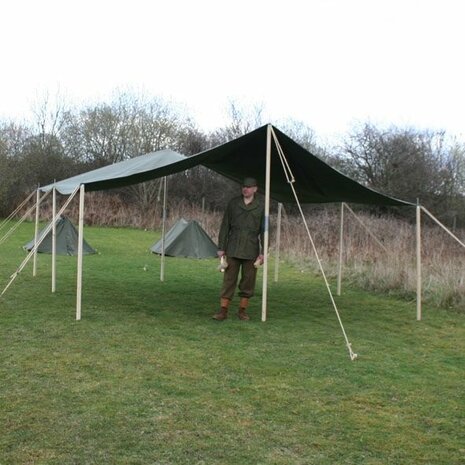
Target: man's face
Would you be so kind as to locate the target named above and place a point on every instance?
(249, 191)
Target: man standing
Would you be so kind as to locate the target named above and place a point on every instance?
(241, 241)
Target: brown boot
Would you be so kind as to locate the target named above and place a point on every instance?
(243, 304)
(223, 313)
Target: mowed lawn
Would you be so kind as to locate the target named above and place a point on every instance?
(147, 377)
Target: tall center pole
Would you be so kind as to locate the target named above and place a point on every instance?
(54, 238)
(267, 222)
(80, 253)
(418, 260)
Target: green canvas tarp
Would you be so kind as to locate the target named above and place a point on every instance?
(314, 180)
(66, 240)
(186, 239)
(123, 173)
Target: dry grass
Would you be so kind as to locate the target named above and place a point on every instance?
(369, 266)
(366, 264)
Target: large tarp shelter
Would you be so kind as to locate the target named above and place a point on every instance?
(314, 180)
(285, 171)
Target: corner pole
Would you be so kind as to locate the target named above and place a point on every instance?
(46, 230)
(80, 250)
(341, 253)
(418, 260)
(36, 234)
(162, 262)
(54, 237)
(278, 242)
(267, 222)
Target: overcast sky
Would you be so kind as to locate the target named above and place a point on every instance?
(327, 63)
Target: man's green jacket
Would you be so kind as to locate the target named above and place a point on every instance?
(241, 232)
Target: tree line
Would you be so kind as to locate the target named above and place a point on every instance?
(60, 142)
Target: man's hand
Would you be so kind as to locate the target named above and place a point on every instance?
(259, 261)
(220, 253)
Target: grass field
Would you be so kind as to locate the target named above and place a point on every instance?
(147, 377)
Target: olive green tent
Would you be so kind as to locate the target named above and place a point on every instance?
(66, 240)
(186, 239)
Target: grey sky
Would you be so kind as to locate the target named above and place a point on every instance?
(328, 63)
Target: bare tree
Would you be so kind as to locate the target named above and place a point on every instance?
(243, 118)
(405, 163)
(49, 120)
(12, 184)
(302, 134)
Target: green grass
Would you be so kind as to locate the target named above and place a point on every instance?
(147, 377)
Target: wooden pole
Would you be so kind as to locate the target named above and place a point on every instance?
(418, 215)
(80, 253)
(36, 234)
(341, 252)
(46, 230)
(163, 228)
(451, 234)
(54, 238)
(278, 242)
(267, 223)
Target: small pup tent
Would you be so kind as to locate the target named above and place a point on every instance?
(186, 239)
(66, 240)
